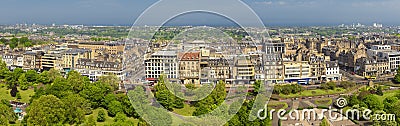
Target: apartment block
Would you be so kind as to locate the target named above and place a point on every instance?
(161, 62)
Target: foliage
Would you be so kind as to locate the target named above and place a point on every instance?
(328, 86)
(95, 93)
(397, 76)
(23, 82)
(242, 116)
(31, 75)
(347, 84)
(373, 103)
(3, 69)
(101, 116)
(287, 89)
(165, 97)
(257, 86)
(115, 107)
(76, 108)
(212, 101)
(90, 121)
(120, 117)
(76, 81)
(389, 103)
(112, 80)
(7, 115)
(47, 110)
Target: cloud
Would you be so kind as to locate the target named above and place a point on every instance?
(263, 3)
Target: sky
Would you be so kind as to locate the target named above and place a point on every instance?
(271, 12)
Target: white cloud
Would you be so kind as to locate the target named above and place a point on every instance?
(263, 3)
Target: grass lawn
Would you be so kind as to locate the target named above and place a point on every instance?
(388, 94)
(109, 120)
(323, 102)
(187, 110)
(278, 105)
(25, 95)
(316, 92)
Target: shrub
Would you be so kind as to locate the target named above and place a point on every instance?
(101, 116)
(18, 96)
(313, 92)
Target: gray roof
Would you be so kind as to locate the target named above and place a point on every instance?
(76, 51)
(164, 53)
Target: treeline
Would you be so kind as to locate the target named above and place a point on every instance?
(21, 42)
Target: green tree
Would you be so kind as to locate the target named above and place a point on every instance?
(129, 110)
(43, 78)
(13, 43)
(165, 97)
(101, 115)
(115, 107)
(23, 40)
(76, 81)
(373, 102)
(242, 116)
(397, 111)
(31, 75)
(7, 115)
(108, 99)
(12, 80)
(90, 121)
(95, 93)
(76, 108)
(329, 86)
(59, 88)
(47, 110)
(23, 82)
(389, 103)
(112, 80)
(257, 86)
(4, 41)
(212, 101)
(120, 117)
(3, 69)
(397, 76)
(53, 74)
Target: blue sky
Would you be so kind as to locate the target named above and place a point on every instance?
(272, 12)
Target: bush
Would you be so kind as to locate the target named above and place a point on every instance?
(120, 117)
(18, 96)
(101, 116)
(24, 87)
(313, 92)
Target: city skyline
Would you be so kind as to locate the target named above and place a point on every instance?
(271, 12)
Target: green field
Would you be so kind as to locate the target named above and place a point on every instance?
(323, 102)
(316, 92)
(278, 105)
(25, 95)
(388, 94)
(187, 110)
